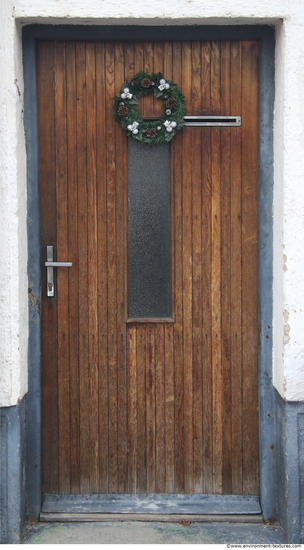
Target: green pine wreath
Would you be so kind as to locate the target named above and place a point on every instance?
(156, 131)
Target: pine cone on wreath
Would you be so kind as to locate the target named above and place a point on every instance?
(151, 133)
(171, 103)
(123, 111)
(146, 82)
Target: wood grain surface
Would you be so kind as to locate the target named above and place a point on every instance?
(150, 407)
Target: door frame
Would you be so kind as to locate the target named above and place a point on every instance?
(266, 38)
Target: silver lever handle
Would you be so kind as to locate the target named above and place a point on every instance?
(50, 264)
(58, 264)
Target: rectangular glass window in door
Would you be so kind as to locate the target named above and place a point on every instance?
(149, 255)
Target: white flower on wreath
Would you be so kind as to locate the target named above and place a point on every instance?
(133, 127)
(163, 85)
(170, 125)
(126, 94)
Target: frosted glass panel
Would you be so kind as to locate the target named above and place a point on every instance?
(149, 230)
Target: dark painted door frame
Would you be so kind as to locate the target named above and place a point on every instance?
(265, 35)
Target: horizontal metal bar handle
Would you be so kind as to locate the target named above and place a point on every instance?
(50, 264)
(58, 264)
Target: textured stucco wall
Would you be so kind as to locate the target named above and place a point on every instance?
(289, 208)
(293, 216)
(288, 16)
(158, 11)
(13, 244)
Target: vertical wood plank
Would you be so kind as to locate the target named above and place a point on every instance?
(131, 331)
(169, 331)
(92, 266)
(138, 400)
(168, 70)
(112, 267)
(187, 273)
(49, 375)
(148, 68)
(160, 66)
(169, 408)
(138, 61)
(225, 280)
(196, 78)
(102, 273)
(129, 60)
(249, 265)
(132, 410)
(139, 66)
(62, 274)
(216, 273)
(82, 202)
(160, 466)
(236, 273)
(121, 176)
(197, 273)
(176, 152)
(150, 407)
(129, 73)
(141, 475)
(206, 77)
(206, 275)
(73, 257)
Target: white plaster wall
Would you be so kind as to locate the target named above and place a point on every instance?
(13, 246)
(278, 209)
(288, 16)
(156, 11)
(289, 208)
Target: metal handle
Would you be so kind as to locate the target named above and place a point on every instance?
(58, 264)
(50, 264)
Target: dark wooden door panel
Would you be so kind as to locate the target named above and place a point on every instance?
(149, 407)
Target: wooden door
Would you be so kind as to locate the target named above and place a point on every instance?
(166, 407)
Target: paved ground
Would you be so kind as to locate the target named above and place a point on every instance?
(152, 533)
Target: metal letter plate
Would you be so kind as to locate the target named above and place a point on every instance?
(211, 120)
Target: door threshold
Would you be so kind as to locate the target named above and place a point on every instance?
(151, 507)
(163, 518)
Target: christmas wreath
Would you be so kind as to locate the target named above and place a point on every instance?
(156, 131)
